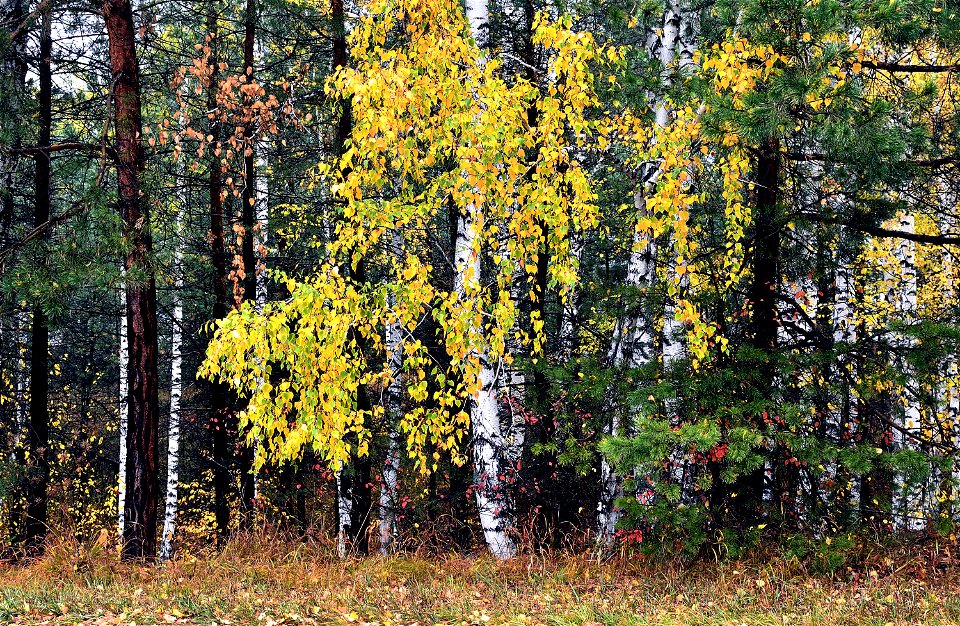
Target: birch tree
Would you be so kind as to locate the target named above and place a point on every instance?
(176, 391)
(438, 88)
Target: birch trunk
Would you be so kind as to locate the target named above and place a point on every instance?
(945, 492)
(394, 411)
(263, 219)
(908, 501)
(634, 338)
(488, 439)
(176, 388)
(344, 511)
(845, 333)
(124, 355)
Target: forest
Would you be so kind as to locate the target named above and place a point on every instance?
(435, 290)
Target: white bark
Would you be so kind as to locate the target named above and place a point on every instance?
(634, 338)
(262, 215)
(488, 438)
(388, 494)
(344, 509)
(951, 391)
(516, 383)
(633, 344)
(176, 389)
(394, 410)
(907, 505)
(478, 16)
(124, 358)
(22, 390)
(845, 332)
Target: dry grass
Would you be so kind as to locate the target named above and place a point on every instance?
(268, 580)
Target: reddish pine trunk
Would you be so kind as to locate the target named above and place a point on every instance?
(140, 530)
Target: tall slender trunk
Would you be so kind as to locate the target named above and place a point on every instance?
(908, 506)
(248, 218)
(38, 470)
(263, 219)
(140, 528)
(496, 516)
(219, 395)
(945, 492)
(344, 474)
(634, 337)
(176, 389)
(14, 77)
(845, 492)
(764, 325)
(123, 403)
(353, 481)
(394, 412)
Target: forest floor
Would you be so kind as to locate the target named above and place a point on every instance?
(268, 583)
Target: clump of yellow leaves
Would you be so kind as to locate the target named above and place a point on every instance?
(437, 130)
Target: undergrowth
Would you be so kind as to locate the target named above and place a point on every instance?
(269, 579)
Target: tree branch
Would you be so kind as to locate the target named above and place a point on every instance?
(36, 151)
(824, 158)
(900, 67)
(877, 231)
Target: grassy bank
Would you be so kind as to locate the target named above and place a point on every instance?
(253, 581)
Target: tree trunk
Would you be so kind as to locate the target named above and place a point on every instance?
(124, 412)
(394, 413)
(140, 528)
(354, 480)
(749, 488)
(496, 517)
(634, 337)
(15, 74)
(176, 388)
(219, 395)
(248, 218)
(908, 507)
(845, 413)
(38, 446)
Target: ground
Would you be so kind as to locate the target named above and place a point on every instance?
(271, 582)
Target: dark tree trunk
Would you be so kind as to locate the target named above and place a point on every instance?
(748, 503)
(876, 492)
(248, 217)
(15, 74)
(14, 81)
(360, 479)
(38, 469)
(220, 414)
(143, 487)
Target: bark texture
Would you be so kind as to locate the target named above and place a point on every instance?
(141, 506)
